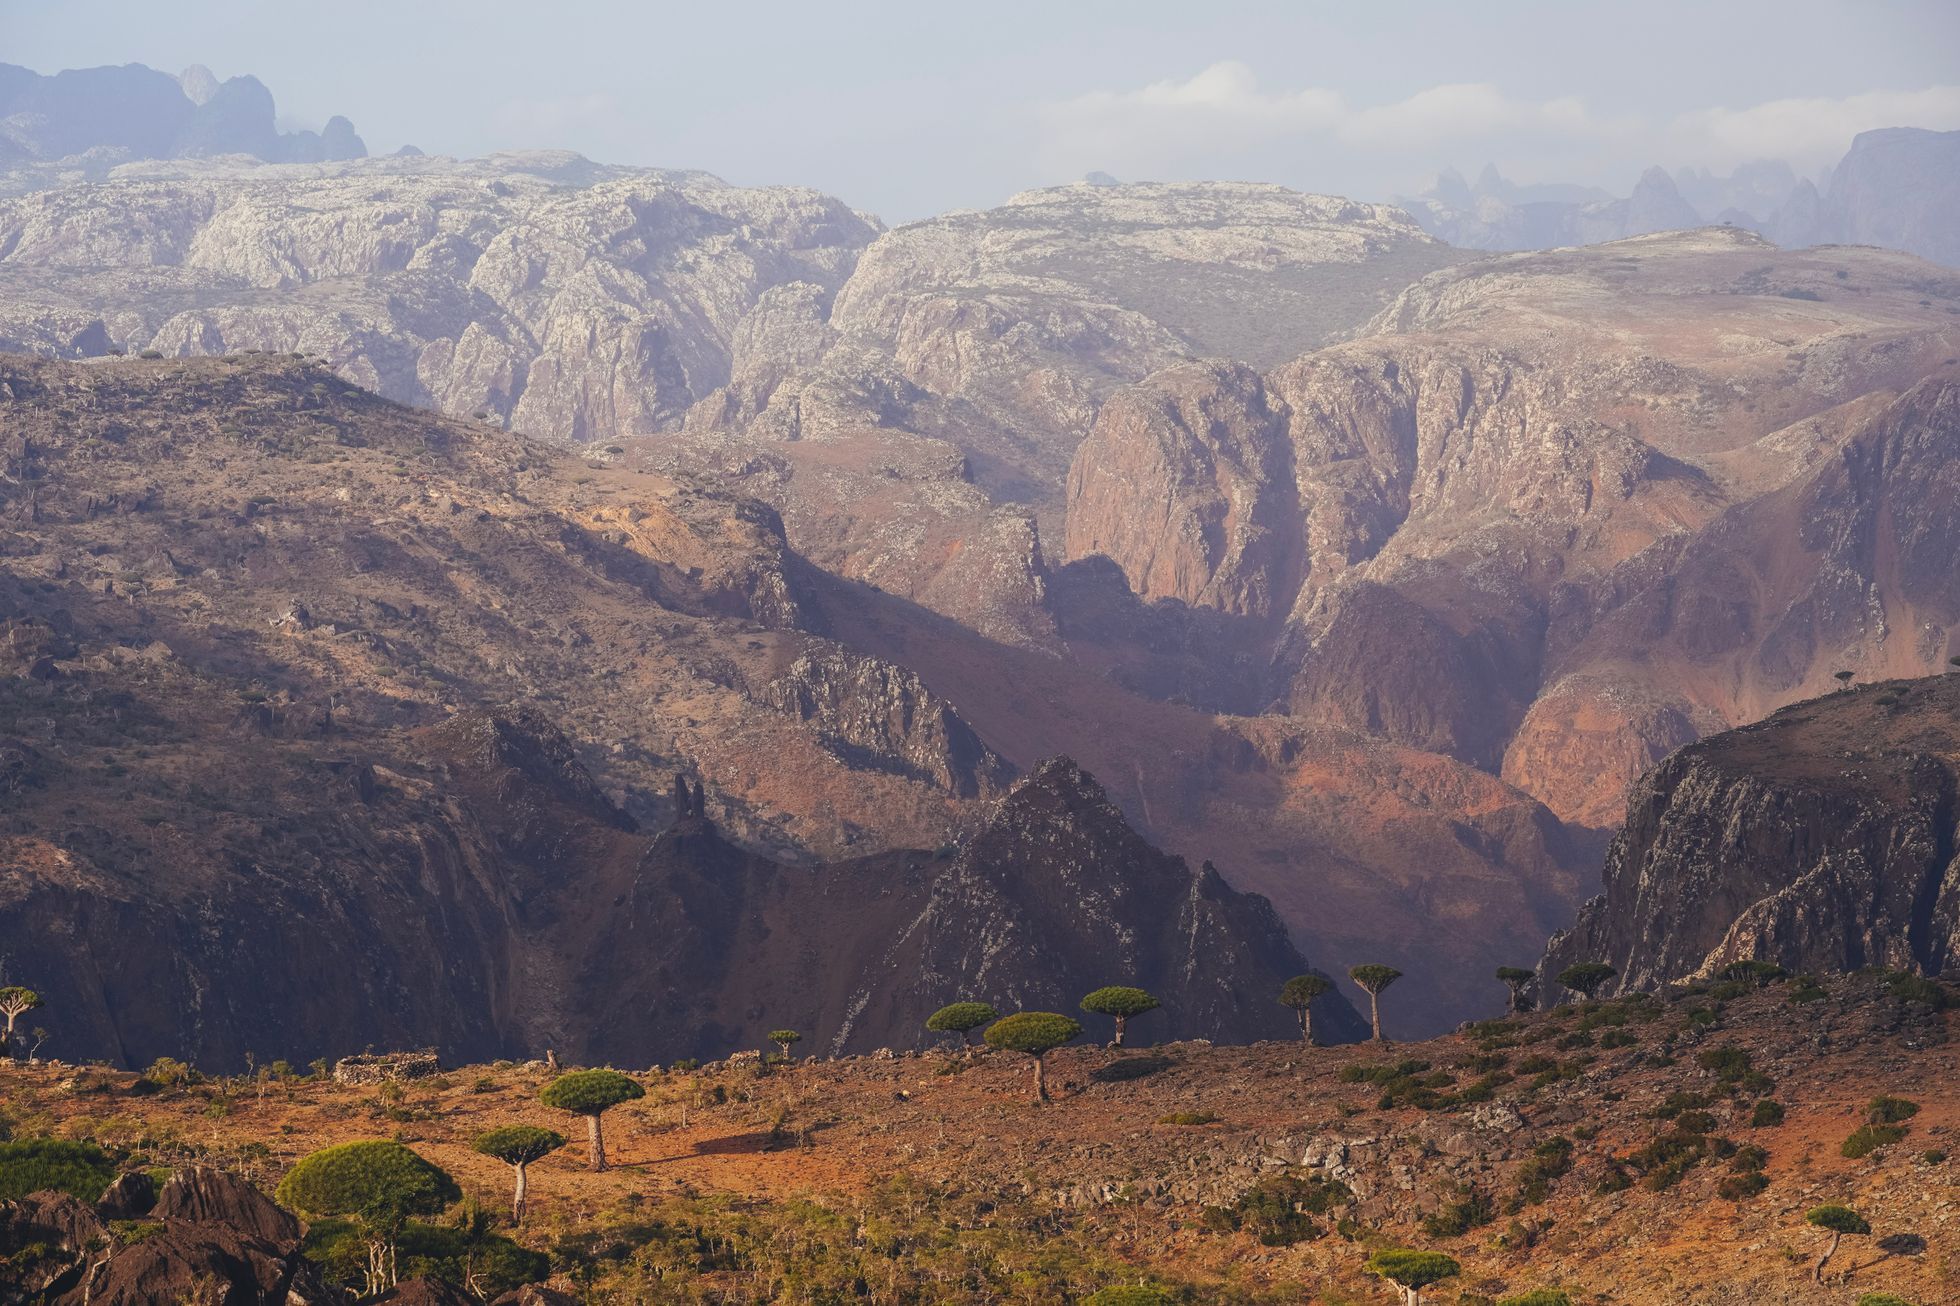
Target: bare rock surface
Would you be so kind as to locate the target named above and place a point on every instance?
(1820, 839)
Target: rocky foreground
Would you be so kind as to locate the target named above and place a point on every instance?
(1643, 1150)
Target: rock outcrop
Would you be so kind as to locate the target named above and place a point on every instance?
(1054, 895)
(1823, 838)
(211, 1236)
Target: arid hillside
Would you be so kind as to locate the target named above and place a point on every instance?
(1647, 1151)
(247, 602)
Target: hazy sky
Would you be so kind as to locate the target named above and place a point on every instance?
(909, 108)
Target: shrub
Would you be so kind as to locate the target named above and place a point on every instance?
(1538, 1297)
(1675, 1103)
(1551, 1159)
(1727, 1064)
(1806, 990)
(1880, 1299)
(81, 1170)
(492, 1263)
(1908, 987)
(1749, 1157)
(1279, 1209)
(1739, 1187)
(1188, 1118)
(1469, 1209)
(1664, 1160)
(1754, 972)
(1884, 1110)
(1617, 1038)
(1866, 1139)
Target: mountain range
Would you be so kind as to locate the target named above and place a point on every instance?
(1895, 188)
(379, 538)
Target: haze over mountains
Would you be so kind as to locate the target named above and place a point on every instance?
(1895, 188)
(1372, 570)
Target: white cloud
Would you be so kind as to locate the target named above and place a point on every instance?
(1808, 132)
(1221, 120)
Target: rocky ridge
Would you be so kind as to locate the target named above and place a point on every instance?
(1822, 838)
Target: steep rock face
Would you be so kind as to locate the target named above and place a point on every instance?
(1822, 838)
(1178, 487)
(1058, 873)
(1523, 520)
(1897, 188)
(882, 716)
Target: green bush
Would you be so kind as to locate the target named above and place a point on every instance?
(1738, 1187)
(1279, 1209)
(1674, 1104)
(380, 1183)
(1188, 1118)
(1538, 1297)
(1908, 987)
(1881, 1299)
(1469, 1209)
(1884, 1110)
(31, 1165)
(1551, 1159)
(1866, 1139)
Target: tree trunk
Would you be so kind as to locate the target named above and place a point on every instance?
(1817, 1275)
(1375, 1013)
(1119, 1031)
(596, 1140)
(1306, 1024)
(1040, 1081)
(517, 1202)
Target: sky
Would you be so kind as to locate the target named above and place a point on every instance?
(910, 109)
